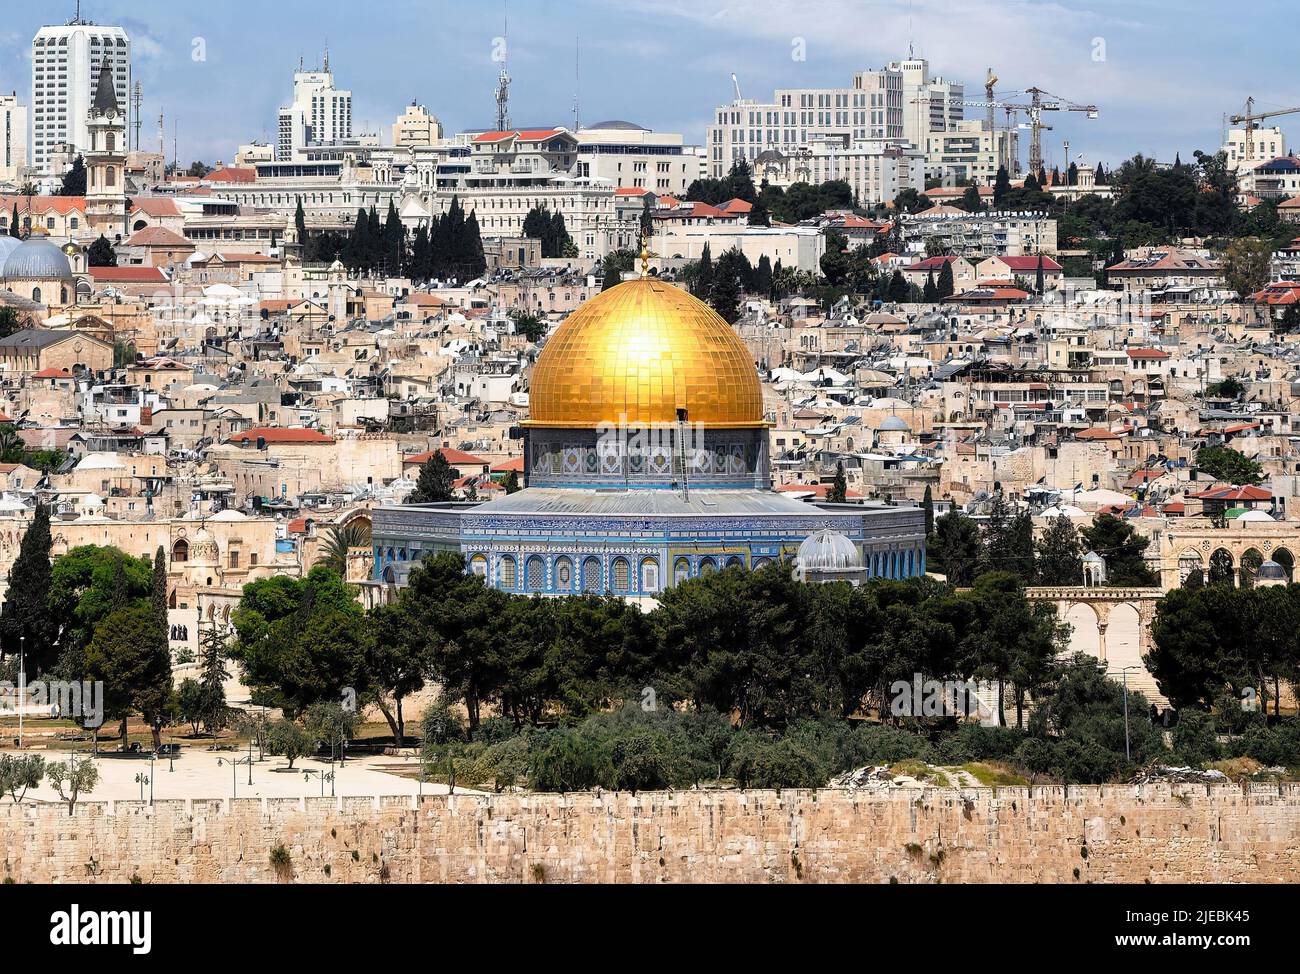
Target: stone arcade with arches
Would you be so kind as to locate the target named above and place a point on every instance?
(645, 458)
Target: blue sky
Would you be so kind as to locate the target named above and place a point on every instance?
(1163, 73)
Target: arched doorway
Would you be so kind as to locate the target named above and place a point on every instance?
(1190, 561)
(1084, 636)
(1221, 568)
(1251, 559)
(1284, 558)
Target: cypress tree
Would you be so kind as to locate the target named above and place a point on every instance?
(26, 611)
(476, 263)
(435, 481)
(1001, 185)
(14, 229)
(927, 504)
(930, 293)
(946, 286)
(704, 275)
(839, 492)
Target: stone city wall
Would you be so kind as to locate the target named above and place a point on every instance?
(1156, 833)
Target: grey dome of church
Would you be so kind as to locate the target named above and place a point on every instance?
(8, 245)
(1271, 571)
(828, 550)
(37, 260)
(894, 424)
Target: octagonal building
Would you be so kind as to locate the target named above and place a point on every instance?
(645, 463)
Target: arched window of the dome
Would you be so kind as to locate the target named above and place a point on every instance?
(535, 574)
(478, 565)
(681, 571)
(181, 551)
(508, 570)
(622, 575)
(649, 575)
(707, 566)
(591, 575)
(735, 561)
(563, 574)
(36, 295)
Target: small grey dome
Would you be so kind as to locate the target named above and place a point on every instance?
(893, 424)
(1093, 558)
(828, 551)
(1271, 571)
(618, 124)
(37, 260)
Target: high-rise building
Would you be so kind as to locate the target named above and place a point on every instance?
(929, 104)
(871, 109)
(13, 139)
(320, 114)
(1265, 145)
(66, 64)
(416, 127)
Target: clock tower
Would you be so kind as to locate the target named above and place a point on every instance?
(106, 160)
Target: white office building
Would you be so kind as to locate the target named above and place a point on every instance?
(1266, 144)
(320, 114)
(929, 104)
(65, 72)
(871, 108)
(632, 157)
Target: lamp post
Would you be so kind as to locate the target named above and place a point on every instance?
(1123, 672)
(234, 768)
(22, 685)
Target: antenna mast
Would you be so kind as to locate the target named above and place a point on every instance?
(577, 86)
(137, 100)
(503, 80)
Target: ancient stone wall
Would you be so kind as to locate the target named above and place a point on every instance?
(1156, 833)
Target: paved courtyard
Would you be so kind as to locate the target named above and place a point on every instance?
(197, 774)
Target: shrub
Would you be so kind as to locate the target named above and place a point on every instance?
(1195, 742)
(975, 742)
(570, 761)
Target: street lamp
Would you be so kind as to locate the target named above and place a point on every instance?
(1128, 750)
(323, 776)
(234, 767)
(22, 685)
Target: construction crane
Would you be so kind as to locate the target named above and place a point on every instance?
(736, 83)
(1034, 111)
(1251, 117)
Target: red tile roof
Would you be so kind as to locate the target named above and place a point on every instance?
(1247, 493)
(506, 466)
(52, 374)
(449, 454)
(129, 275)
(524, 135)
(1096, 433)
(1146, 353)
(232, 174)
(1030, 263)
(280, 434)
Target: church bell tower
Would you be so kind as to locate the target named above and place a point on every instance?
(106, 159)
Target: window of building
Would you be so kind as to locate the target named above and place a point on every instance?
(507, 572)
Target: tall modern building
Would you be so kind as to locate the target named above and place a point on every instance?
(13, 139)
(65, 73)
(320, 114)
(873, 108)
(930, 104)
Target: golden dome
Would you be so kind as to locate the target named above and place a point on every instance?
(637, 353)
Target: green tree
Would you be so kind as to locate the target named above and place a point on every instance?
(26, 621)
(1246, 265)
(397, 659)
(74, 180)
(927, 505)
(1060, 556)
(15, 226)
(1229, 465)
(189, 703)
(1122, 547)
(331, 724)
(510, 483)
(954, 548)
(72, 778)
(338, 541)
(946, 286)
(839, 490)
(127, 655)
(213, 650)
(19, 773)
(286, 739)
(930, 294)
(434, 484)
(1001, 187)
(299, 641)
(101, 253)
(88, 583)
